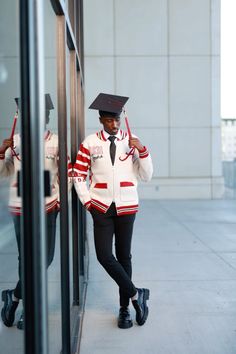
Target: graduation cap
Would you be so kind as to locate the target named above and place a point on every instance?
(48, 102)
(109, 105)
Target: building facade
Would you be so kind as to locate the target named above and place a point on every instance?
(164, 55)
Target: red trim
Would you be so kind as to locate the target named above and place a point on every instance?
(97, 201)
(81, 156)
(80, 167)
(127, 209)
(48, 208)
(126, 184)
(46, 136)
(124, 134)
(84, 150)
(101, 185)
(15, 213)
(15, 210)
(99, 206)
(88, 205)
(54, 207)
(143, 150)
(143, 156)
(143, 153)
(126, 212)
(102, 135)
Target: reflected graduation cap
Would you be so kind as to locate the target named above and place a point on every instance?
(107, 104)
(48, 102)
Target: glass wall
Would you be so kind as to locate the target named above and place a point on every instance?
(11, 338)
(63, 244)
(51, 164)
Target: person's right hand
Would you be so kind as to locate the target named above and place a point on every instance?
(5, 145)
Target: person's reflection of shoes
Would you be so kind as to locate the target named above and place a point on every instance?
(9, 307)
(20, 323)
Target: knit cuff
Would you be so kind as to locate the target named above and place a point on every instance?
(143, 153)
(88, 205)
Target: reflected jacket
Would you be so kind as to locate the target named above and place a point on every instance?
(10, 164)
(110, 183)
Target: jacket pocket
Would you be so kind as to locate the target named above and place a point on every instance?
(99, 191)
(128, 192)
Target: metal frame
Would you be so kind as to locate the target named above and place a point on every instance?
(74, 148)
(66, 36)
(64, 225)
(32, 182)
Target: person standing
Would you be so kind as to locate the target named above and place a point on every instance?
(114, 161)
(10, 165)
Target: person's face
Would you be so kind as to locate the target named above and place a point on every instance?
(110, 124)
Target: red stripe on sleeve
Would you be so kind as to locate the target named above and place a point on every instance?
(84, 150)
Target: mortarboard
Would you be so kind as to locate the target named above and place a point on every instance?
(17, 101)
(109, 104)
(48, 102)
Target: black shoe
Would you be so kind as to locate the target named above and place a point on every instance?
(20, 323)
(9, 308)
(140, 306)
(124, 319)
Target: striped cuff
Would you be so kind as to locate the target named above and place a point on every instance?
(2, 156)
(88, 205)
(143, 153)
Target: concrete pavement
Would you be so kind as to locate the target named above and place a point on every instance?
(185, 252)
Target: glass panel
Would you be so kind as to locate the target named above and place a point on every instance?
(51, 164)
(69, 156)
(11, 339)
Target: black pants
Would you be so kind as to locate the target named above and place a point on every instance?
(51, 236)
(119, 268)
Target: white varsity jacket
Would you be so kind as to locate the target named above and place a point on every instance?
(10, 163)
(107, 183)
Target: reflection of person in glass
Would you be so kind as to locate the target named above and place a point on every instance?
(10, 164)
(115, 161)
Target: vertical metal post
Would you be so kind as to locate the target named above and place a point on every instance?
(64, 226)
(81, 208)
(74, 148)
(32, 183)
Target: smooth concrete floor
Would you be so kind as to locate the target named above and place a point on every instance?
(185, 253)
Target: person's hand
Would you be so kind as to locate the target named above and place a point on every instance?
(135, 142)
(5, 145)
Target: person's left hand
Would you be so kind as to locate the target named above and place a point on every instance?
(135, 142)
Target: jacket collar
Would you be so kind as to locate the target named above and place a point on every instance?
(47, 135)
(103, 135)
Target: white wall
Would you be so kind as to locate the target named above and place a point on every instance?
(164, 55)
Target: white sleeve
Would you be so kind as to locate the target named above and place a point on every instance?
(6, 164)
(143, 165)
